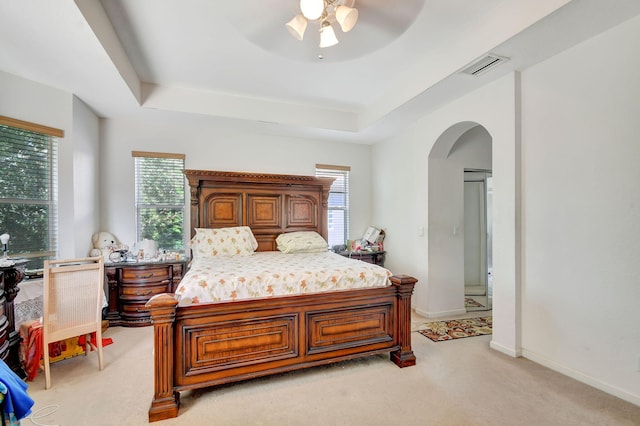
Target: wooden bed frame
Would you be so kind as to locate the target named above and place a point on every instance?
(210, 344)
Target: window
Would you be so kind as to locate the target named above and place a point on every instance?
(160, 198)
(29, 189)
(338, 202)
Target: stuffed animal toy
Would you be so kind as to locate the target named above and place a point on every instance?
(104, 243)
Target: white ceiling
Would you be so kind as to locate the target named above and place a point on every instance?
(234, 61)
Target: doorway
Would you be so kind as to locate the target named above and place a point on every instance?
(463, 146)
(478, 286)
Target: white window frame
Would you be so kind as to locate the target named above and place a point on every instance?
(139, 157)
(338, 203)
(48, 135)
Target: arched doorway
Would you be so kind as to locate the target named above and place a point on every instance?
(463, 146)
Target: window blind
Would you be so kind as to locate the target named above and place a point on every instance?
(338, 205)
(160, 198)
(29, 189)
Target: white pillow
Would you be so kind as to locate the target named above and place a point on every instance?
(301, 242)
(233, 241)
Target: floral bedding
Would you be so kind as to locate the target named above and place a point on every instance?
(272, 273)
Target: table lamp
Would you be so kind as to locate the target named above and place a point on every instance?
(4, 239)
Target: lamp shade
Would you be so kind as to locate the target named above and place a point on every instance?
(327, 36)
(312, 9)
(346, 17)
(296, 26)
(4, 238)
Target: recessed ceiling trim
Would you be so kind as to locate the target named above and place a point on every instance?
(484, 64)
(246, 108)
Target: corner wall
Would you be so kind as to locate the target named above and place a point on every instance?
(404, 159)
(29, 101)
(566, 208)
(581, 211)
(86, 176)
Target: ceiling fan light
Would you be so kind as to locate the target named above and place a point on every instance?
(312, 9)
(327, 36)
(296, 26)
(346, 17)
(348, 3)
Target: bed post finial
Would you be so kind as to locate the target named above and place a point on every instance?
(326, 189)
(194, 191)
(165, 401)
(194, 196)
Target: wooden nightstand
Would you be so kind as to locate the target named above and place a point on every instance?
(132, 284)
(375, 257)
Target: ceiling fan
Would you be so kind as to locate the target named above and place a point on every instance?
(371, 25)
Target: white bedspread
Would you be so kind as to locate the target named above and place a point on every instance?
(268, 274)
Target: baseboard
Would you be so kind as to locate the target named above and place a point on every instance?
(475, 290)
(581, 377)
(420, 312)
(440, 314)
(503, 349)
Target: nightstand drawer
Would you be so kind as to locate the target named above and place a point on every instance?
(145, 291)
(144, 275)
(135, 310)
(135, 314)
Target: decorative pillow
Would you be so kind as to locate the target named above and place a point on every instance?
(301, 242)
(234, 241)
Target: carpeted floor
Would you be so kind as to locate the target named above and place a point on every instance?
(463, 382)
(440, 331)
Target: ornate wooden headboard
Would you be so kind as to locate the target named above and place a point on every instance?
(269, 204)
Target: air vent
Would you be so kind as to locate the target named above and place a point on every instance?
(484, 64)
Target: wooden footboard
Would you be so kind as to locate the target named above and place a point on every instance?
(214, 343)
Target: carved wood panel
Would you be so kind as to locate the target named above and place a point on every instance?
(266, 242)
(222, 210)
(264, 211)
(302, 211)
(219, 346)
(334, 330)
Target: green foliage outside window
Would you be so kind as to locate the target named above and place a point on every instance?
(28, 226)
(28, 209)
(160, 201)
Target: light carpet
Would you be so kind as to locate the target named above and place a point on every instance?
(460, 383)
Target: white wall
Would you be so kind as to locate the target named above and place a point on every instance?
(210, 145)
(581, 211)
(566, 206)
(29, 101)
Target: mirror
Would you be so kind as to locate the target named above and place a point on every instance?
(478, 288)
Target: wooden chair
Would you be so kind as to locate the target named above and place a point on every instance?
(72, 304)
